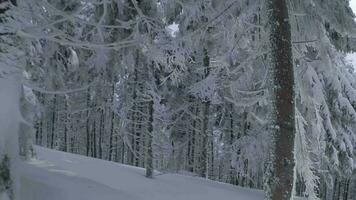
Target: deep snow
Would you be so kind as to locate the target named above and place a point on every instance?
(57, 175)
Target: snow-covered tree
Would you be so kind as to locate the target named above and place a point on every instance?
(197, 87)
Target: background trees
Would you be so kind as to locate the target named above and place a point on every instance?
(183, 86)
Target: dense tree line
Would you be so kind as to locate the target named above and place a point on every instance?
(195, 86)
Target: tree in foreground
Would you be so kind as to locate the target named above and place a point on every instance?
(283, 125)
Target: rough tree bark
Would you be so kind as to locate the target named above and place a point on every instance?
(283, 105)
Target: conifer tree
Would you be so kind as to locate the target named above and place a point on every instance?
(283, 124)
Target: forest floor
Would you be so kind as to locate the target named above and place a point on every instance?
(57, 175)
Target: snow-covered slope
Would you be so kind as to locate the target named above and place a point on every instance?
(62, 176)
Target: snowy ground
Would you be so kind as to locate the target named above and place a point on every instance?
(62, 176)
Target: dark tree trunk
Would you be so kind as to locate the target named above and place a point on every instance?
(88, 122)
(204, 153)
(346, 189)
(66, 126)
(111, 146)
(94, 140)
(283, 95)
(54, 112)
(149, 156)
(205, 128)
(101, 133)
(335, 188)
(338, 190)
(40, 142)
(194, 135)
(134, 118)
(230, 142)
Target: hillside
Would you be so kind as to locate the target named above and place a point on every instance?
(62, 176)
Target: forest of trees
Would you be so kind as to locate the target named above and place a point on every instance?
(248, 92)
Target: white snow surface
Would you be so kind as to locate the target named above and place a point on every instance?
(353, 5)
(57, 175)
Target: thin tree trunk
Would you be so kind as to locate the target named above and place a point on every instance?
(38, 124)
(204, 154)
(335, 188)
(211, 164)
(189, 152)
(149, 156)
(206, 112)
(54, 113)
(196, 142)
(346, 189)
(193, 145)
(132, 150)
(66, 126)
(94, 140)
(88, 122)
(339, 190)
(42, 100)
(101, 130)
(112, 122)
(230, 142)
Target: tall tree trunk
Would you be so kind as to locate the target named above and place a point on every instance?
(205, 129)
(346, 189)
(335, 187)
(338, 190)
(101, 133)
(88, 122)
(231, 139)
(190, 147)
(66, 120)
(54, 113)
(40, 141)
(283, 95)
(194, 137)
(149, 156)
(205, 146)
(196, 141)
(38, 125)
(111, 146)
(94, 140)
(134, 118)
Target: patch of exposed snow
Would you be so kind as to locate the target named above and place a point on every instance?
(173, 29)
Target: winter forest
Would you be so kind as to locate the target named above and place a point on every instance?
(177, 100)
